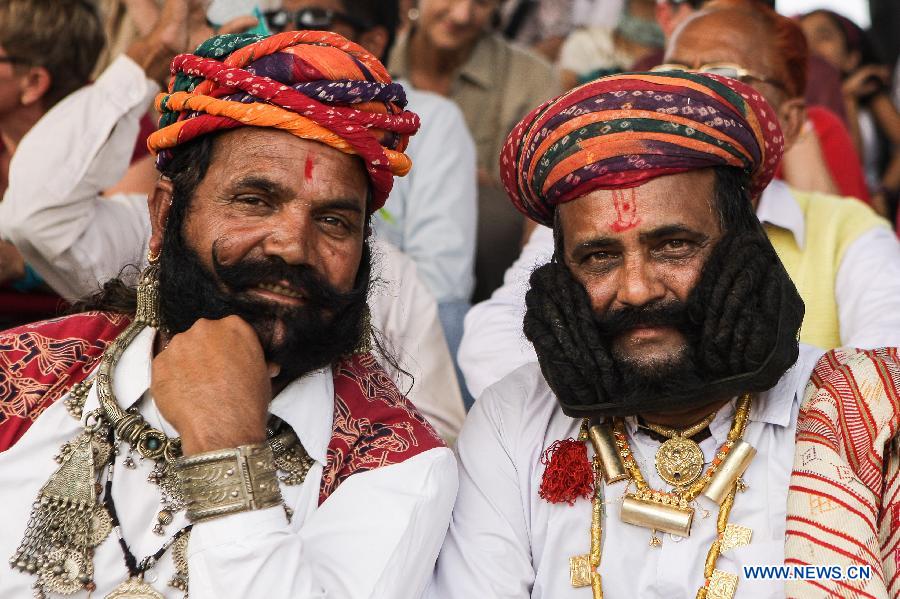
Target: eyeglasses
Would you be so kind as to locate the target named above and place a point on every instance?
(725, 69)
(318, 19)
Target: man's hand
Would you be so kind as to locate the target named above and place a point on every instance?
(213, 385)
(12, 265)
(179, 26)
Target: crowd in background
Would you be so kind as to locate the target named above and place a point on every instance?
(471, 68)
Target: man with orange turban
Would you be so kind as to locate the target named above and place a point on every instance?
(674, 433)
(225, 427)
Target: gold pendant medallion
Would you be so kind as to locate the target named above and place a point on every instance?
(679, 461)
(580, 571)
(135, 588)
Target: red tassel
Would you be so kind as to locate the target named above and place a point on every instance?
(568, 474)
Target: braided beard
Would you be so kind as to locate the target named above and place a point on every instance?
(740, 324)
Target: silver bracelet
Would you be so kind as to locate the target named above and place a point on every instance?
(228, 481)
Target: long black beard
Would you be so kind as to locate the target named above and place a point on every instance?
(300, 339)
(740, 325)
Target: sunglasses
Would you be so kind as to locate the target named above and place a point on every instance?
(725, 69)
(318, 19)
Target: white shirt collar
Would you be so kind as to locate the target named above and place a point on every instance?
(306, 404)
(778, 207)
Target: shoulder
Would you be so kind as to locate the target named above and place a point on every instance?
(50, 349)
(518, 407)
(39, 362)
(844, 219)
(374, 424)
(852, 405)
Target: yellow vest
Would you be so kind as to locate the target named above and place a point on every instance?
(832, 224)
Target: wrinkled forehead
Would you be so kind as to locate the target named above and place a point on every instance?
(683, 200)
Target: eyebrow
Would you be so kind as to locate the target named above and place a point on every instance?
(262, 184)
(274, 188)
(654, 235)
(344, 204)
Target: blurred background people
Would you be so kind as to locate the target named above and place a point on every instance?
(47, 51)
(541, 24)
(871, 115)
(453, 49)
(599, 50)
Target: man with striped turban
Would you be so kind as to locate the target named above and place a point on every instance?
(225, 427)
(649, 453)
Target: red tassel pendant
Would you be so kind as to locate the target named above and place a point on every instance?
(567, 474)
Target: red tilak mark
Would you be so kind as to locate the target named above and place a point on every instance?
(626, 211)
(309, 169)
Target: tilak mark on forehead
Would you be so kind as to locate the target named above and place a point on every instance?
(625, 202)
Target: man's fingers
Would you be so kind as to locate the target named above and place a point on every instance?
(238, 25)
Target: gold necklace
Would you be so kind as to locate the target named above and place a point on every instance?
(730, 462)
(679, 460)
(670, 511)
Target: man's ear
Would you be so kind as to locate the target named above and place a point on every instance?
(35, 83)
(159, 202)
(792, 116)
(375, 40)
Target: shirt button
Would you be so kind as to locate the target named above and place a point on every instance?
(150, 576)
(675, 538)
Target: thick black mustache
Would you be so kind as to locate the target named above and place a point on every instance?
(673, 314)
(250, 273)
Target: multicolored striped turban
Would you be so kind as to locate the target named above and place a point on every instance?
(316, 85)
(624, 130)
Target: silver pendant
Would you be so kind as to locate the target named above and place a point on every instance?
(135, 588)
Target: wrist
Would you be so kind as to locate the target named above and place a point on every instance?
(200, 441)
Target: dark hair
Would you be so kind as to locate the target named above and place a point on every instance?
(378, 13)
(63, 36)
(855, 37)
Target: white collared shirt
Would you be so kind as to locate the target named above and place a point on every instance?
(377, 535)
(506, 542)
(867, 291)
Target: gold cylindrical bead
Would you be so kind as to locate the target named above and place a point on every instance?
(657, 516)
(604, 443)
(731, 468)
(596, 585)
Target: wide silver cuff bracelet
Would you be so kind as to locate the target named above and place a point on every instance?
(227, 481)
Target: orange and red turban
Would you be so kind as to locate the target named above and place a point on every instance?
(313, 84)
(624, 130)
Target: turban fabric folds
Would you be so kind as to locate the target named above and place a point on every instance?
(313, 84)
(624, 130)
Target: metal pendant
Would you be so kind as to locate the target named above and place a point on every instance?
(135, 588)
(679, 461)
(580, 570)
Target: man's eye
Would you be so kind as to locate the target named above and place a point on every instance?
(599, 257)
(251, 200)
(675, 245)
(332, 221)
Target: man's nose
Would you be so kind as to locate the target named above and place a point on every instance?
(639, 283)
(291, 238)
